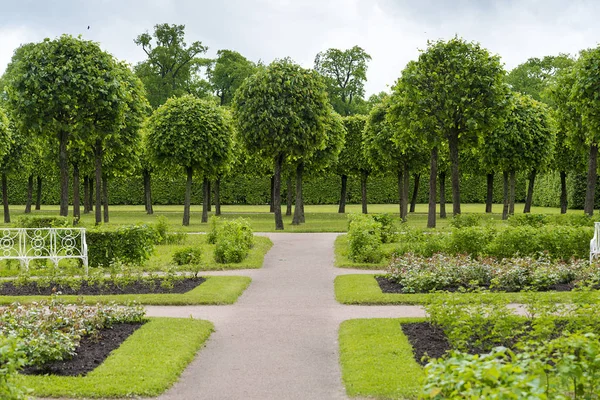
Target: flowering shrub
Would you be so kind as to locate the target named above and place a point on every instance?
(50, 331)
(419, 274)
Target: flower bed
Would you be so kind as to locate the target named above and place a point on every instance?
(417, 274)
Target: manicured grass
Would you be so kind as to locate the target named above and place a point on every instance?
(319, 218)
(216, 290)
(146, 364)
(377, 359)
(363, 289)
(341, 249)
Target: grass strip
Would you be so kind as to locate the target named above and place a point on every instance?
(363, 289)
(215, 290)
(146, 364)
(342, 260)
(377, 359)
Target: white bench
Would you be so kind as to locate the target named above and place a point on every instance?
(595, 242)
(55, 244)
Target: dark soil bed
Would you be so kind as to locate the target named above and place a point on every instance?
(426, 340)
(136, 287)
(91, 352)
(388, 286)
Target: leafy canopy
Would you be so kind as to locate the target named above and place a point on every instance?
(227, 73)
(282, 111)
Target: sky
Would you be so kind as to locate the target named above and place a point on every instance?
(391, 31)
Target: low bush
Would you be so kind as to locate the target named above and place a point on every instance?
(213, 225)
(528, 219)
(164, 235)
(43, 222)
(188, 256)
(233, 242)
(471, 240)
(364, 237)
(12, 359)
(131, 244)
(388, 228)
(465, 220)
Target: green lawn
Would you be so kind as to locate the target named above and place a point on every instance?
(363, 289)
(377, 359)
(216, 290)
(146, 364)
(319, 218)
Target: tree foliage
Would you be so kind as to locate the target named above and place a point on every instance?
(172, 66)
(345, 72)
(227, 73)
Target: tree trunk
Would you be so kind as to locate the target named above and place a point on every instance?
(38, 197)
(205, 199)
(453, 147)
(343, 194)
(363, 190)
(188, 197)
(271, 204)
(413, 200)
(148, 192)
(290, 196)
(63, 163)
(405, 179)
(29, 194)
(590, 192)
(442, 195)
(432, 188)
(400, 191)
(505, 195)
(5, 199)
(563, 192)
(489, 199)
(91, 182)
(529, 198)
(76, 198)
(277, 193)
(86, 194)
(511, 206)
(218, 196)
(105, 197)
(297, 220)
(98, 180)
(208, 196)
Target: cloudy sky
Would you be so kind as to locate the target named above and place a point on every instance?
(391, 31)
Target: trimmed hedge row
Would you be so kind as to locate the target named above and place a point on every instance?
(247, 189)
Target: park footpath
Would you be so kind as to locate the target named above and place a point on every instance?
(280, 340)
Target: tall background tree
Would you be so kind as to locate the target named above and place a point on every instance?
(172, 66)
(227, 72)
(456, 90)
(345, 72)
(193, 134)
(281, 112)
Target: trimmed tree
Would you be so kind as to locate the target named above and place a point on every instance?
(281, 112)
(62, 88)
(456, 91)
(190, 133)
(353, 160)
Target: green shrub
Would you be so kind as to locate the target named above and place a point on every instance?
(213, 225)
(470, 240)
(43, 222)
(514, 242)
(131, 244)
(364, 237)
(234, 240)
(163, 233)
(12, 359)
(535, 220)
(188, 256)
(465, 220)
(388, 228)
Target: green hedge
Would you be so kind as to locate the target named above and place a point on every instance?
(248, 189)
(128, 244)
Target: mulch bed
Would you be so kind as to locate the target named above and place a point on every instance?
(91, 352)
(426, 340)
(388, 286)
(107, 288)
